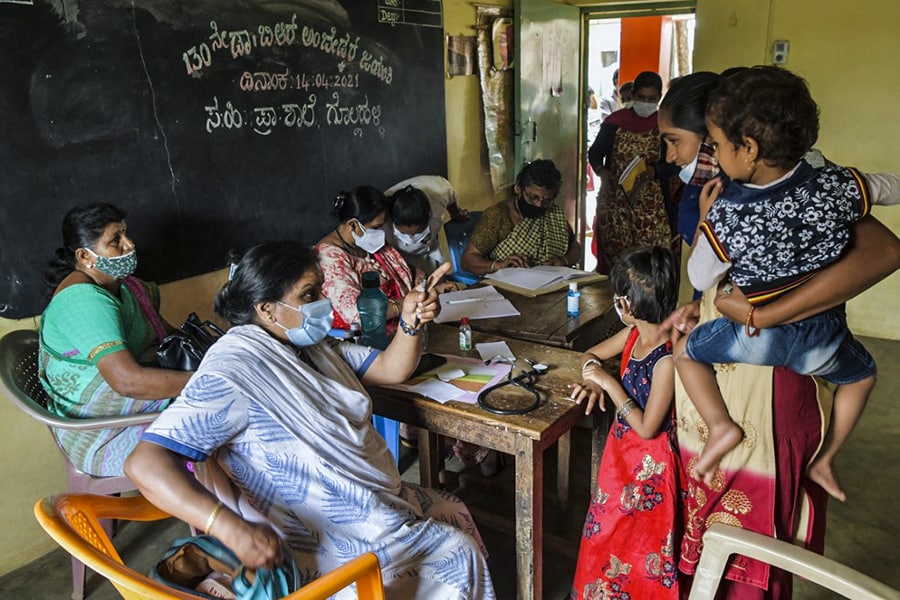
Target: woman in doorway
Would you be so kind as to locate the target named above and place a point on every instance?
(637, 217)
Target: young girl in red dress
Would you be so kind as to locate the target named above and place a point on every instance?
(631, 533)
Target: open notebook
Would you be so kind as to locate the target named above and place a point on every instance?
(540, 280)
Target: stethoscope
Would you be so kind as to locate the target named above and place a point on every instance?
(524, 380)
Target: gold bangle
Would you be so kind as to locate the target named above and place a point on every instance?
(213, 516)
(493, 266)
(749, 328)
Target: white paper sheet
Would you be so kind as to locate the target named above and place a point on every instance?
(474, 303)
(493, 350)
(536, 277)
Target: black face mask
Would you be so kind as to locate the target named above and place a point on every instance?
(529, 211)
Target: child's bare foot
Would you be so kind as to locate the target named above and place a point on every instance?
(822, 472)
(722, 439)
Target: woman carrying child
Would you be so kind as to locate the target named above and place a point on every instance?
(630, 535)
(762, 487)
(777, 223)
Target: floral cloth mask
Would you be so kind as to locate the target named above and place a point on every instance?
(372, 240)
(416, 244)
(117, 267)
(317, 320)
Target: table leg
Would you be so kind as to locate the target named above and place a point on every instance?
(563, 469)
(429, 458)
(529, 519)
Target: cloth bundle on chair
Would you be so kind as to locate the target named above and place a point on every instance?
(73, 521)
(191, 562)
(184, 349)
(20, 383)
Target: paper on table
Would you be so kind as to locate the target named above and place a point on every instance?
(438, 390)
(475, 375)
(448, 374)
(491, 350)
(537, 277)
(474, 303)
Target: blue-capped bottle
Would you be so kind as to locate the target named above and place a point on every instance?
(573, 300)
(372, 306)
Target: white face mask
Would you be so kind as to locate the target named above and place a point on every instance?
(687, 171)
(372, 240)
(616, 301)
(416, 244)
(644, 109)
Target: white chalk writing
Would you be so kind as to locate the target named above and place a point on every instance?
(263, 120)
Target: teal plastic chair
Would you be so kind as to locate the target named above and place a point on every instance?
(458, 234)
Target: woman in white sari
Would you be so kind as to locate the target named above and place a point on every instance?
(279, 426)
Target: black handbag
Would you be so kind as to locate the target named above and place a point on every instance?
(184, 349)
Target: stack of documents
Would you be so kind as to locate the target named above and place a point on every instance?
(475, 303)
(540, 280)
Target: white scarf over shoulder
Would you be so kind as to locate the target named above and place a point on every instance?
(325, 407)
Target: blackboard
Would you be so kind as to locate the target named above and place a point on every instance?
(216, 124)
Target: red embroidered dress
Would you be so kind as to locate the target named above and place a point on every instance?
(343, 279)
(631, 531)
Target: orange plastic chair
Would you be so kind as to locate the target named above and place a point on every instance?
(73, 521)
(20, 383)
(721, 541)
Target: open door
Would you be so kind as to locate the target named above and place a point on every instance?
(547, 94)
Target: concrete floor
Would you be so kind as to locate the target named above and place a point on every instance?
(861, 532)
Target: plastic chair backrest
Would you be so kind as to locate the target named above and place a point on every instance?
(20, 383)
(73, 521)
(721, 541)
(458, 234)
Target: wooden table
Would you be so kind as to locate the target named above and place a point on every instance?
(544, 319)
(526, 436)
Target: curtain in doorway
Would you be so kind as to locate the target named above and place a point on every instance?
(494, 24)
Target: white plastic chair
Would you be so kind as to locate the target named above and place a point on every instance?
(20, 383)
(721, 541)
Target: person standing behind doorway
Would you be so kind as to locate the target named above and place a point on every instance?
(637, 217)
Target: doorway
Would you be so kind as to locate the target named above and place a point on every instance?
(618, 47)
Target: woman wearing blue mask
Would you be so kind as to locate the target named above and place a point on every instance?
(637, 215)
(278, 423)
(99, 335)
(356, 245)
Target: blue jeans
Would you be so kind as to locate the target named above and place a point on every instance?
(819, 345)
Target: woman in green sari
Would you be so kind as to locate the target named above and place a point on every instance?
(98, 338)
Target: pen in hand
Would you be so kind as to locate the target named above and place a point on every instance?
(424, 290)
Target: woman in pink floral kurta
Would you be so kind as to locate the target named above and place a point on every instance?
(355, 246)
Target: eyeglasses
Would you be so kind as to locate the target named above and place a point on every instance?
(538, 199)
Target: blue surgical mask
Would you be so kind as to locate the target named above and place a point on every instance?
(372, 240)
(117, 267)
(416, 244)
(317, 320)
(687, 171)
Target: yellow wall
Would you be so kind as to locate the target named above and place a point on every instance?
(467, 166)
(846, 51)
(847, 70)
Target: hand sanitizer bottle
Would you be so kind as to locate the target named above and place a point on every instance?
(572, 300)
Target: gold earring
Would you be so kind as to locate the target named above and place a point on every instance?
(270, 318)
